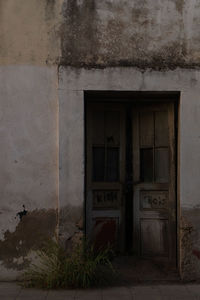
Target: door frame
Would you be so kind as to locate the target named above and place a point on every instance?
(138, 97)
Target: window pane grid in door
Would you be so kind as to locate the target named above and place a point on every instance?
(146, 165)
(161, 164)
(98, 169)
(112, 164)
(105, 164)
(106, 146)
(154, 153)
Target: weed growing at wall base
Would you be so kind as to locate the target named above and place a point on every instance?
(82, 268)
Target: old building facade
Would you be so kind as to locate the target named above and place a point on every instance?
(99, 128)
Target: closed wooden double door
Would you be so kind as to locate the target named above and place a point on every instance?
(130, 178)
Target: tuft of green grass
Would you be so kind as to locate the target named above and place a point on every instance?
(83, 267)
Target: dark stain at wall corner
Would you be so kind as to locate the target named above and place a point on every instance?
(87, 42)
(81, 49)
(50, 9)
(30, 234)
(179, 5)
(155, 64)
(79, 40)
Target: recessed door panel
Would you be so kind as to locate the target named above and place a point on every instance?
(154, 194)
(105, 174)
(154, 237)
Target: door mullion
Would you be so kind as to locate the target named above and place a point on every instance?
(154, 147)
(129, 179)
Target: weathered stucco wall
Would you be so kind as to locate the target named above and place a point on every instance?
(156, 34)
(29, 50)
(71, 162)
(28, 162)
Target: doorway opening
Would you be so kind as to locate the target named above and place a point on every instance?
(130, 188)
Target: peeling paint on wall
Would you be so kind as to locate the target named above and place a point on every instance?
(79, 40)
(70, 225)
(22, 213)
(30, 234)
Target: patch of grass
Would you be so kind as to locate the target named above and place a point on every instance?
(81, 268)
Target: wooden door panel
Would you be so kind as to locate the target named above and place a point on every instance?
(105, 232)
(154, 181)
(153, 200)
(161, 165)
(98, 130)
(112, 127)
(146, 164)
(146, 129)
(154, 237)
(105, 174)
(161, 129)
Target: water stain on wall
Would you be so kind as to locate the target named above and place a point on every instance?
(79, 41)
(31, 232)
(50, 10)
(106, 34)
